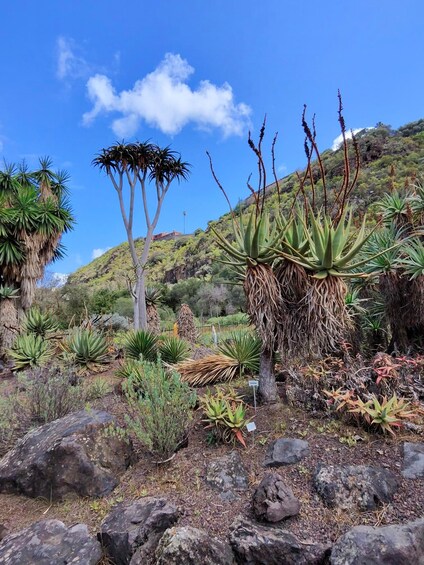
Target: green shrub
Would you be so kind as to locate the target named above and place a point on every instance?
(161, 414)
(141, 344)
(87, 347)
(51, 393)
(172, 349)
(38, 323)
(132, 371)
(96, 389)
(30, 350)
(245, 348)
(231, 320)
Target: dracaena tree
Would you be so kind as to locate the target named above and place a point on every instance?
(34, 213)
(144, 165)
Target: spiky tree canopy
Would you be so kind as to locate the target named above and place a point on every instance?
(34, 213)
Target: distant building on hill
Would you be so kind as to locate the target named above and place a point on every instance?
(167, 235)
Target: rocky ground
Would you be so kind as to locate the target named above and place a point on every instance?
(212, 486)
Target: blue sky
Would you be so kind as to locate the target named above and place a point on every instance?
(79, 75)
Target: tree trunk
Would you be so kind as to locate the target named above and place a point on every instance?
(267, 385)
(9, 325)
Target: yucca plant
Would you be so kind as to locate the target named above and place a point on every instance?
(87, 348)
(413, 262)
(141, 344)
(30, 350)
(244, 348)
(38, 323)
(173, 350)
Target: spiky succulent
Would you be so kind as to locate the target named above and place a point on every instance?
(38, 323)
(7, 292)
(254, 243)
(141, 344)
(30, 351)
(173, 350)
(413, 263)
(87, 347)
(331, 249)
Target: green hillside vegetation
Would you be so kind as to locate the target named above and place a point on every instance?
(390, 160)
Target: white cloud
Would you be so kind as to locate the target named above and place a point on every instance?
(339, 139)
(164, 100)
(99, 252)
(69, 64)
(59, 278)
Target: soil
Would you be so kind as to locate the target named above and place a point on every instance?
(182, 482)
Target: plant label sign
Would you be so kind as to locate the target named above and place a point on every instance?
(251, 427)
(254, 383)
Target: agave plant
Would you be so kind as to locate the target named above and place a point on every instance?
(87, 347)
(141, 344)
(37, 323)
(244, 348)
(30, 351)
(173, 350)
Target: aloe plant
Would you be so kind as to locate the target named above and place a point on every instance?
(30, 350)
(330, 248)
(38, 323)
(87, 347)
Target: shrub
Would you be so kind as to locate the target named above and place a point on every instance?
(30, 350)
(96, 389)
(244, 348)
(133, 373)
(240, 318)
(38, 323)
(141, 344)
(87, 347)
(161, 415)
(50, 394)
(173, 349)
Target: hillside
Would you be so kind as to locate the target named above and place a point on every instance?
(390, 160)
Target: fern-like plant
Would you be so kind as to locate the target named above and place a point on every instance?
(141, 344)
(173, 350)
(30, 350)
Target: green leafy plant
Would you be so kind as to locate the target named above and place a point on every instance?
(30, 350)
(245, 348)
(98, 388)
(37, 323)
(141, 344)
(387, 414)
(173, 350)
(160, 416)
(87, 347)
(224, 414)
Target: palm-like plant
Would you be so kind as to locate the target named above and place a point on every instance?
(245, 348)
(33, 216)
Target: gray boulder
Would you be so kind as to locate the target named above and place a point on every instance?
(273, 500)
(190, 546)
(3, 531)
(78, 454)
(413, 460)
(227, 475)
(388, 545)
(286, 451)
(136, 527)
(351, 486)
(50, 542)
(260, 545)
